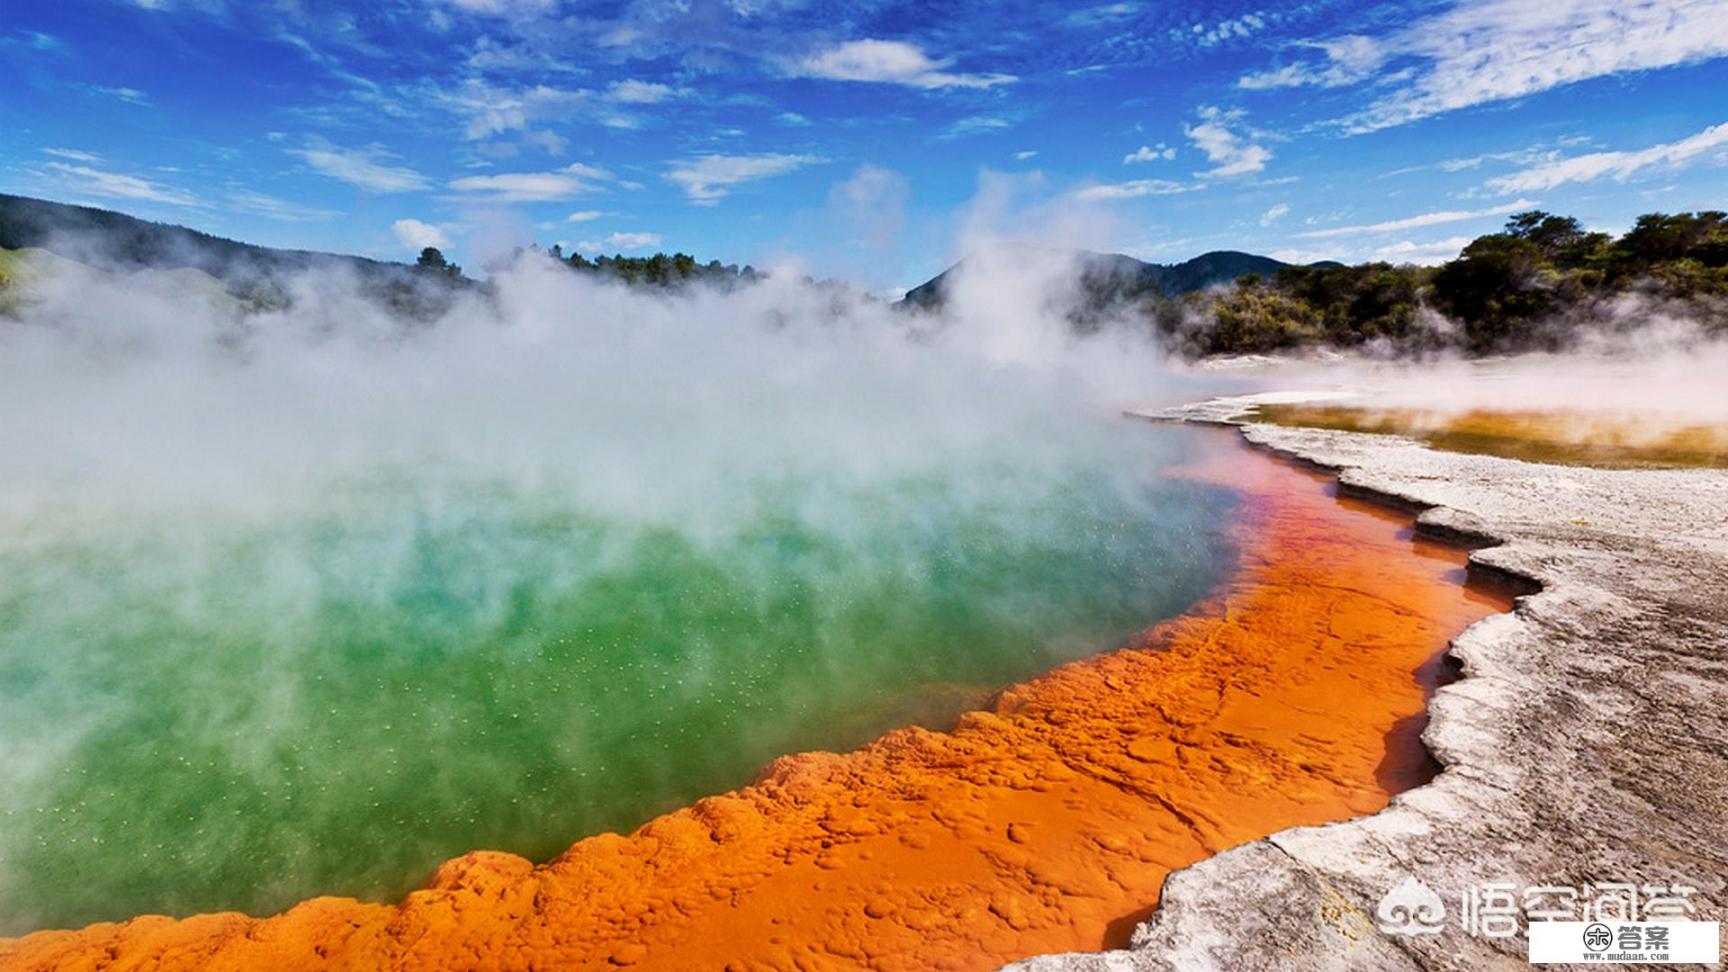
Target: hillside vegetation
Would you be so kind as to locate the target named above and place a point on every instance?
(659, 270)
(1542, 283)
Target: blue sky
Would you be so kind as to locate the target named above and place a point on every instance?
(867, 139)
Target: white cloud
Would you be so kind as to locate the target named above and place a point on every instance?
(584, 216)
(1425, 254)
(792, 119)
(1481, 51)
(416, 236)
(707, 180)
(570, 181)
(368, 168)
(1025, 154)
(1615, 165)
(1231, 152)
(633, 92)
(1425, 219)
(1291, 255)
(621, 242)
(1134, 189)
(890, 62)
(1147, 153)
(1274, 214)
(118, 186)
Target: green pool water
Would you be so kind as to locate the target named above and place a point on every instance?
(205, 708)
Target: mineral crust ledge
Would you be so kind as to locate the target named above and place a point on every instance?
(1587, 741)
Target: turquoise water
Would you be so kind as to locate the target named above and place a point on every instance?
(208, 708)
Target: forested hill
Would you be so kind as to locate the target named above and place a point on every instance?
(114, 241)
(1542, 283)
(1112, 278)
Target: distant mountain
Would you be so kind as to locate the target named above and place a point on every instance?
(115, 242)
(108, 240)
(1109, 278)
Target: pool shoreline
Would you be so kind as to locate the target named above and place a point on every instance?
(1585, 744)
(1062, 874)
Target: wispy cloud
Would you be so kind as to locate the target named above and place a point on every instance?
(489, 109)
(370, 168)
(1135, 189)
(1349, 59)
(974, 125)
(1102, 15)
(1615, 165)
(566, 183)
(1425, 219)
(115, 185)
(75, 155)
(584, 216)
(1482, 51)
(1274, 214)
(506, 8)
(1231, 151)
(890, 62)
(133, 96)
(34, 40)
(281, 210)
(708, 179)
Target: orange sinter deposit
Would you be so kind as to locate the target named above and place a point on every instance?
(1293, 695)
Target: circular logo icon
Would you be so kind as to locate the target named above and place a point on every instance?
(1597, 937)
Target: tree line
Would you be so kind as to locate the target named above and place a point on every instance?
(659, 270)
(1538, 284)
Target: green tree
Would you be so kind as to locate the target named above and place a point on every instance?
(432, 260)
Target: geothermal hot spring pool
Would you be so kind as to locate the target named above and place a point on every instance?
(218, 711)
(314, 618)
(211, 711)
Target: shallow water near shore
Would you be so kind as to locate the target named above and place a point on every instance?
(211, 709)
(1580, 438)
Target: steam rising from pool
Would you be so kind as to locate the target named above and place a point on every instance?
(303, 602)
